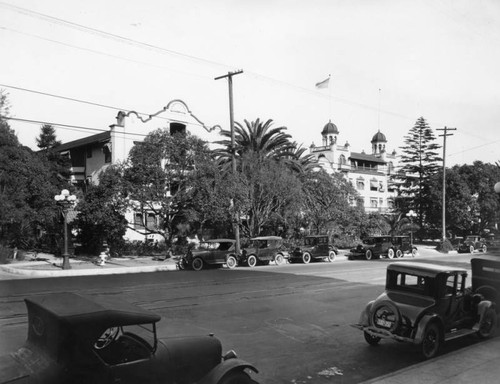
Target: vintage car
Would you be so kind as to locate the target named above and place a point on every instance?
(472, 243)
(262, 250)
(426, 304)
(314, 248)
(374, 247)
(215, 252)
(402, 245)
(81, 339)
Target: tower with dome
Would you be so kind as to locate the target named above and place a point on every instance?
(369, 173)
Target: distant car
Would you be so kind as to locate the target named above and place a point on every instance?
(372, 247)
(473, 243)
(262, 250)
(314, 248)
(83, 339)
(402, 246)
(427, 304)
(215, 252)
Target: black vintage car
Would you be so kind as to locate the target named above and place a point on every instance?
(473, 243)
(427, 304)
(262, 250)
(314, 248)
(82, 339)
(374, 247)
(215, 252)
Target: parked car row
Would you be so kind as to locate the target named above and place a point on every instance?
(260, 251)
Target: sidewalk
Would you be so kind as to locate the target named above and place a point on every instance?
(46, 265)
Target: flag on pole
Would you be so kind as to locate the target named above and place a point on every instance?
(323, 84)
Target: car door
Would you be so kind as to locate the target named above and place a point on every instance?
(321, 248)
(220, 254)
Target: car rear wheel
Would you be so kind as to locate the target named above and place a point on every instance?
(238, 377)
(390, 253)
(399, 254)
(252, 261)
(331, 256)
(368, 254)
(279, 259)
(197, 264)
(488, 324)
(370, 339)
(231, 262)
(431, 341)
(306, 258)
(471, 249)
(414, 252)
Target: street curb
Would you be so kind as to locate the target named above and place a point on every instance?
(87, 272)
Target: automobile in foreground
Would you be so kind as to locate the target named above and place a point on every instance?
(427, 305)
(314, 248)
(374, 247)
(262, 250)
(473, 243)
(89, 339)
(210, 253)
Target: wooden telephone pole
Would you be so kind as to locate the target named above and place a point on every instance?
(444, 135)
(233, 151)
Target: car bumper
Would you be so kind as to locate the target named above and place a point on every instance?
(382, 333)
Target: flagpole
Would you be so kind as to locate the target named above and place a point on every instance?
(330, 95)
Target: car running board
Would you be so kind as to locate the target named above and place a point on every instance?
(455, 334)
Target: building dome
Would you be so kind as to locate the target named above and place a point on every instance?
(379, 137)
(330, 129)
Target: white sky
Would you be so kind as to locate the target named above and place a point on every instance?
(438, 59)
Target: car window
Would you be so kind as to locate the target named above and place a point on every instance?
(451, 286)
(411, 283)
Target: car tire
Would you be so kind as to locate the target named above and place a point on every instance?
(431, 341)
(399, 254)
(306, 258)
(372, 340)
(231, 262)
(414, 252)
(484, 248)
(390, 253)
(197, 264)
(279, 259)
(471, 249)
(238, 377)
(252, 261)
(332, 256)
(368, 254)
(488, 324)
(387, 311)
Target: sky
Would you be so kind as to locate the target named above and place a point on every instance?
(76, 63)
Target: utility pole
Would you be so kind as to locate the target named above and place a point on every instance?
(233, 151)
(444, 135)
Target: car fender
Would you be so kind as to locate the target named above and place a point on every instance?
(225, 367)
(422, 325)
(364, 318)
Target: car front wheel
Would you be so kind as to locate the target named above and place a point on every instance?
(279, 259)
(399, 254)
(306, 258)
(484, 248)
(231, 262)
(331, 256)
(431, 341)
(370, 339)
(197, 264)
(369, 254)
(390, 253)
(471, 249)
(252, 261)
(488, 324)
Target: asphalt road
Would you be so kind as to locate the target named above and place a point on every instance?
(291, 321)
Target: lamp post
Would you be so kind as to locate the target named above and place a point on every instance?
(411, 215)
(65, 201)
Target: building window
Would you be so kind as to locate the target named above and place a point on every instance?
(390, 203)
(138, 220)
(381, 202)
(342, 160)
(360, 183)
(151, 221)
(373, 185)
(374, 202)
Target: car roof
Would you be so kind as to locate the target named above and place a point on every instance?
(267, 238)
(219, 241)
(426, 269)
(77, 310)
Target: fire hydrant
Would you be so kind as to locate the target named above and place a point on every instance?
(103, 256)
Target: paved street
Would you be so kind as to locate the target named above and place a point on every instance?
(291, 321)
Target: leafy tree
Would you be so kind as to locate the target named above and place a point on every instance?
(419, 161)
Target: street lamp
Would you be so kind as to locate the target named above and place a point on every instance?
(411, 215)
(65, 201)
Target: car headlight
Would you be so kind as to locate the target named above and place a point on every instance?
(229, 355)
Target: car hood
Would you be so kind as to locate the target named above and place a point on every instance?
(189, 358)
(409, 305)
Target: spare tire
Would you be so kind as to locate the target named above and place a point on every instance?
(385, 315)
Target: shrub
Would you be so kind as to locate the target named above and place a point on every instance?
(445, 246)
